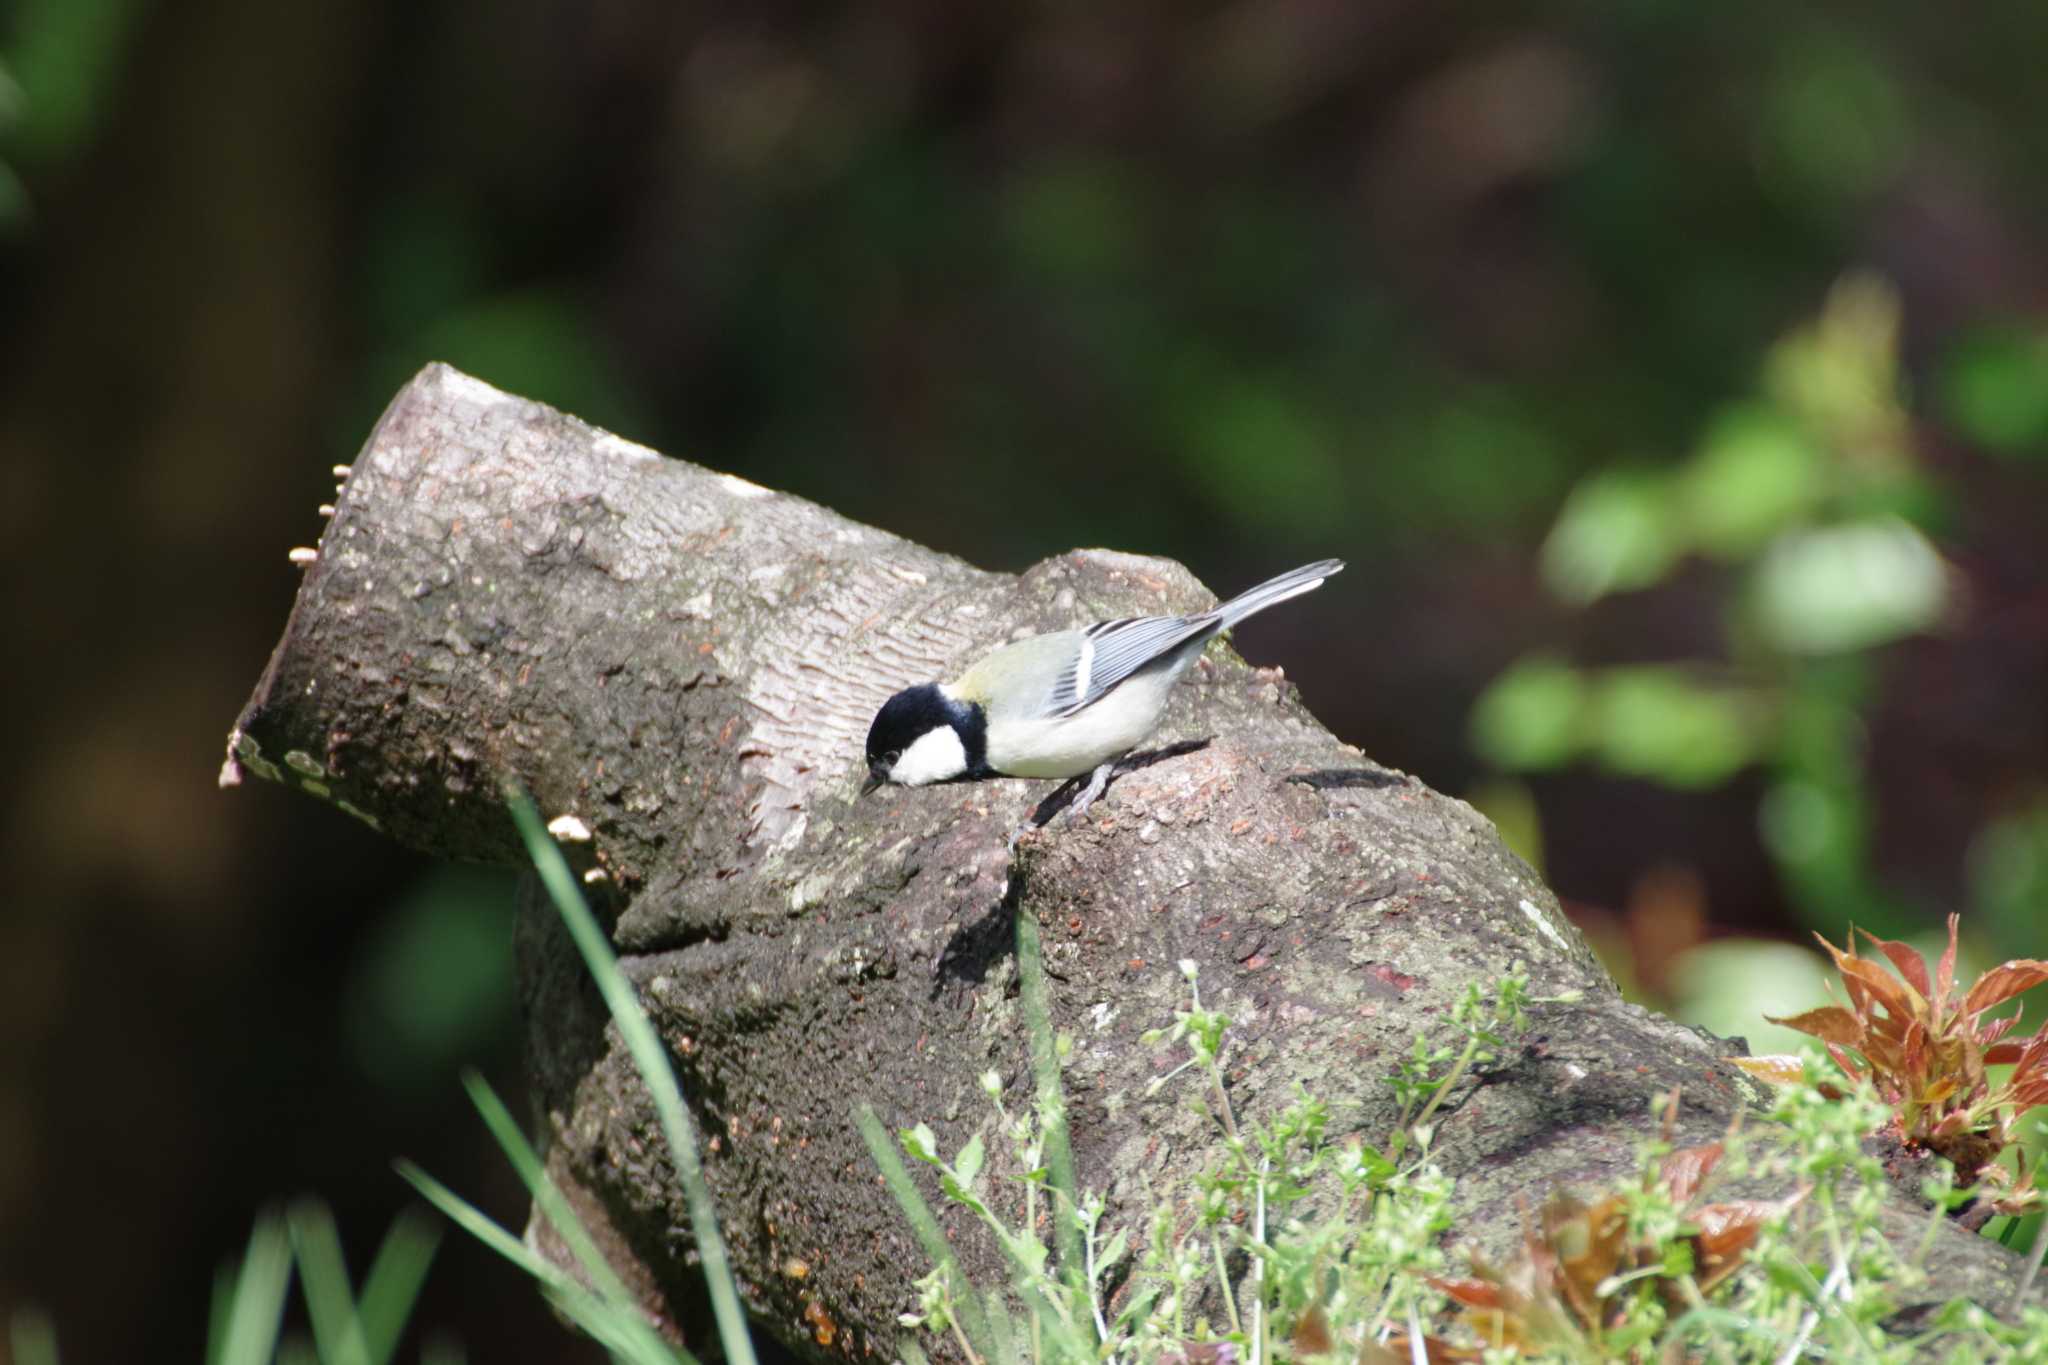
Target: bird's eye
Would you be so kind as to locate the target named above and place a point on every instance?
(889, 759)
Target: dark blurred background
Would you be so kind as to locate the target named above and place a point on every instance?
(1674, 378)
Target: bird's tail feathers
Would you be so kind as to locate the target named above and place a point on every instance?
(1274, 591)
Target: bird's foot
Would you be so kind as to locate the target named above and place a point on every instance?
(1097, 784)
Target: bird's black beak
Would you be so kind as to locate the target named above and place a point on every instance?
(875, 779)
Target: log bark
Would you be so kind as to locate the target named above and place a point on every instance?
(686, 664)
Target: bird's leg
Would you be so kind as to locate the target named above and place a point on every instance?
(1044, 813)
(1089, 793)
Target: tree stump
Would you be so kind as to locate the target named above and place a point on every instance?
(685, 665)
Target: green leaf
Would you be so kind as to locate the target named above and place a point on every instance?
(1619, 530)
(1658, 723)
(1756, 473)
(967, 1165)
(1530, 717)
(1993, 387)
(1849, 587)
(1677, 1259)
(960, 1194)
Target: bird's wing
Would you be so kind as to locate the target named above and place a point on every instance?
(1112, 651)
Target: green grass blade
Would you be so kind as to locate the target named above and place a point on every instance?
(393, 1285)
(621, 1328)
(31, 1337)
(909, 1352)
(467, 1217)
(255, 1304)
(652, 1060)
(533, 1173)
(323, 1281)
(219, 1310)
(1052, 1105)
(923, 1224)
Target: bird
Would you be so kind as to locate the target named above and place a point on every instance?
(1057, 705)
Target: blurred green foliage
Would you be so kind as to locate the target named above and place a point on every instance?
(1994, 389)
(1816, 505)
(1802, 491)
(433, 986)
(2008, 865)
(66, 57)
(14, 206)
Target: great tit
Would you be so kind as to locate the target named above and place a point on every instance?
(1057, 705)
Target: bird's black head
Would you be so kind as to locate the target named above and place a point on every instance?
(922, 735)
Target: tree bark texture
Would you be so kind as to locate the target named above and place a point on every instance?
(686, 664)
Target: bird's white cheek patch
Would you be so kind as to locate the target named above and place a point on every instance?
(937, 756)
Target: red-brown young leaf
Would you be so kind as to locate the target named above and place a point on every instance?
(2034, 1052)
(1590, 1242)
(2004, 1054)
(1779, 1068)
(1945, 970)
(1726, 1231)
(1829, 1023)
(1859, 996)
(1998, 1028)
(2002, 983)
(1311, 1334)
(1967, 1061)
(1464, 1289)
(1913, 1053)
(1882, 986)
(1398, 1351)
(1728, 1228)
(1884, 1054)
(1683, 1171)
(1785, 1068)
(1911, 965)
(1843, 1060)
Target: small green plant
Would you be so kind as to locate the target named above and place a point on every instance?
(1333, 1237)
(1292, 1246)
(1063, 1324)
(1424, 1081)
